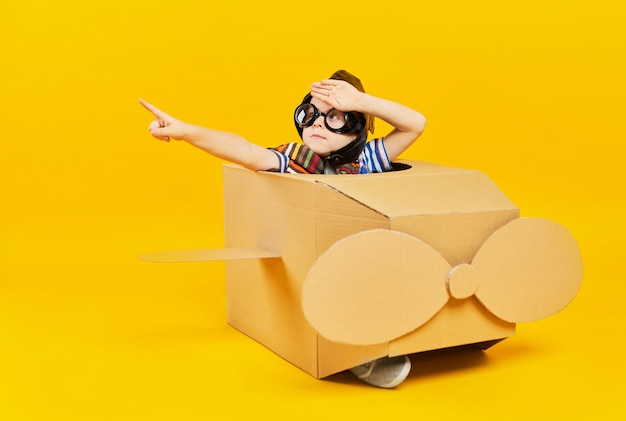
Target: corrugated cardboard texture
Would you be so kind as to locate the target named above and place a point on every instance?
(276, 213)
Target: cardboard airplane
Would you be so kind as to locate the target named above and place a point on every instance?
(332, 271)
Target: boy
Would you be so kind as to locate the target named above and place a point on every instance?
(332, 121)
(343, 94)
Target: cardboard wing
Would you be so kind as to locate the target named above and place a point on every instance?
(207, 255)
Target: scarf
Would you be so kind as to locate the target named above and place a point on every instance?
(303, 160)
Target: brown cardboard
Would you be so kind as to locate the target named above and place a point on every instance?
(528, 270)
(207, 255)
(396, 263)
(393, 277)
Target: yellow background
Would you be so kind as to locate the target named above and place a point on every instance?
(532, 92)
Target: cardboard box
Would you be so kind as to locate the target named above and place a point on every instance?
(330, 272)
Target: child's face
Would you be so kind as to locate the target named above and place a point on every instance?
(321, 140)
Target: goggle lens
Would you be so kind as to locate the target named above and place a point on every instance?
(335, 120)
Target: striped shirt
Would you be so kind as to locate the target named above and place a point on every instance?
(373, 159)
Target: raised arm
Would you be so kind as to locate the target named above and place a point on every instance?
(408, 124)
(224, 145)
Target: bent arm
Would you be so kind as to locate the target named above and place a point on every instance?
(408, 124)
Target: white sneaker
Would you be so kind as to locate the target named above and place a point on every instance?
(384, 372)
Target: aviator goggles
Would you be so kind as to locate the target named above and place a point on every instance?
(336, 121)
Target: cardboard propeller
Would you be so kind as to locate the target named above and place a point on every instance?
(527, 270)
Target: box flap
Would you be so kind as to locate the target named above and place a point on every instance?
(422, 189)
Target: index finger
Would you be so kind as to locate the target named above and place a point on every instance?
(154, 110)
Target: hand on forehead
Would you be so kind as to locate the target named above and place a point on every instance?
(337, 94)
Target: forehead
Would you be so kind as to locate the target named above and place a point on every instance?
(321, 105)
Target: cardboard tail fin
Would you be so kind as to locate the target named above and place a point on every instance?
(207, 255)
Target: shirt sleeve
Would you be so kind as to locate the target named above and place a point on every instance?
(283, 161)
(374, 157)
